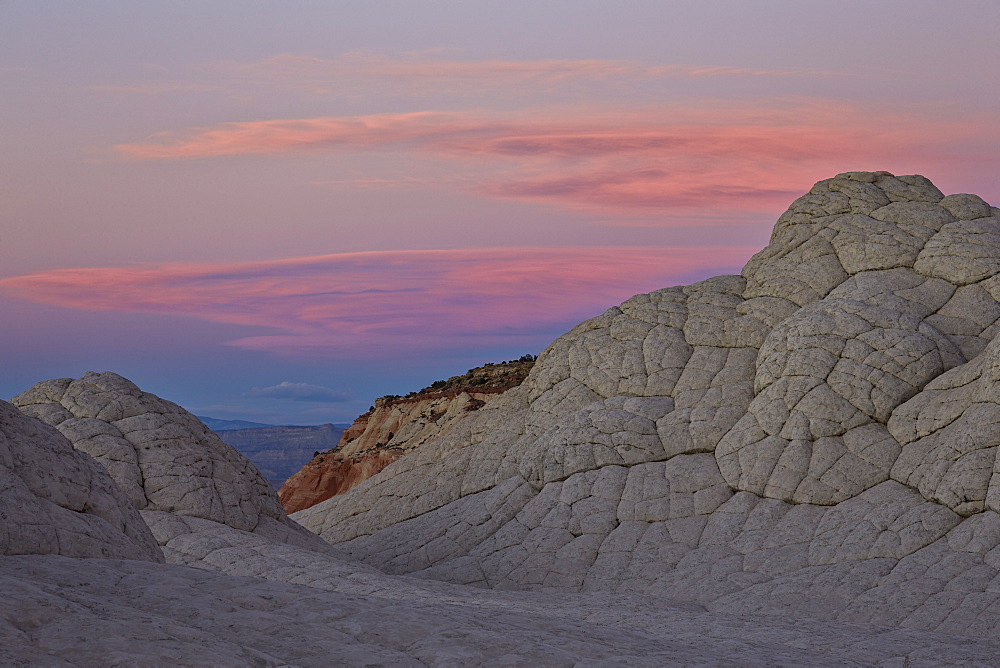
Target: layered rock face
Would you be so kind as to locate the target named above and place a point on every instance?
(815, 435)
(330, 474)
(394, 426)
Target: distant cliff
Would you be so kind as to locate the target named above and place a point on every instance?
(278, 452)
(394, 426)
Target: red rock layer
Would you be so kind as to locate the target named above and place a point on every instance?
(328, 475)
(375, 440)
(394, 426)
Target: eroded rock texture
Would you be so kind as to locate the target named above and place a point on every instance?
(815, 435)
(57, 500)
(161, 456)
(776, 467)
(58, 611)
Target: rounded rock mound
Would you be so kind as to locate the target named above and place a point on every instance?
(814, 435)
(163, 457)
(57, 500)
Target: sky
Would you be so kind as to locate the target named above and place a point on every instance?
(278, 211)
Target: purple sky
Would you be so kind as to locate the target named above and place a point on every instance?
(279, 211)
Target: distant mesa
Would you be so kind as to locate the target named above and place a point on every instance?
(279, 452)
(215, 424)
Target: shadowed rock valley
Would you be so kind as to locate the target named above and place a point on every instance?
(279, 452)
(794, 466)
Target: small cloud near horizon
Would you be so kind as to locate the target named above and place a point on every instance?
(299, 392)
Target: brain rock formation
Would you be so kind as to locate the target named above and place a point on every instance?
(773, 467)
(818, 433)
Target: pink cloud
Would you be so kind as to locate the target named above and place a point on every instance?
(421, 68)
(376, 303)
(643, 189)
(154, 88)
(744, 133)
(736, 156)
(293, 135)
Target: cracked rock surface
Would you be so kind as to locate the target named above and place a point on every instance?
(793, 466)
(57, 500)
(789, 440)
(163, 458)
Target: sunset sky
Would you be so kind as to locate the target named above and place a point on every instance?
(277, 211)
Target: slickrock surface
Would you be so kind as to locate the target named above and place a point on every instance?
(814, 437)
(396, 425)
(96, 612)
(794, 466)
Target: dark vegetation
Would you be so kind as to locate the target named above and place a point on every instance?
(491, 378)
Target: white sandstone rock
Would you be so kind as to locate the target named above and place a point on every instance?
(56, 500)
(836, 386)
(160, 454)
(814, 439)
